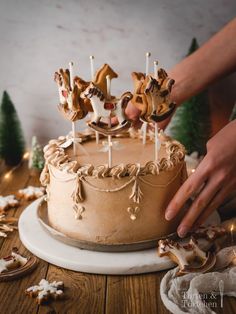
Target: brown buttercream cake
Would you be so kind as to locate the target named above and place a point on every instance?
(118, 207)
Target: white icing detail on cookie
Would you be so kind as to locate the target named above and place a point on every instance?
(13, 261)
(31, 192)
(45, 289)
(8, 202)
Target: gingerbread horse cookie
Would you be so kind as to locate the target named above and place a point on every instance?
(72, 106)
(100, 78)
(189, 257)
(106, 106)
(13, 261)
(152, 96)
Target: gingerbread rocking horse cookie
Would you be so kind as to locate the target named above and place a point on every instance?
(152, 96)
(189, 257)
(106, 106)
(72, 106)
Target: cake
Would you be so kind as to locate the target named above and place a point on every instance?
(118, 206)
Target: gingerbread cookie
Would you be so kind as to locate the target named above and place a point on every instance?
(46, 291)
(13, 261)
(107, 109)
(209, 232)
(100, 78)
(189, 257)
(7, 202)
(152, 96)
(31, 193)
(72, 106)
(7, 224)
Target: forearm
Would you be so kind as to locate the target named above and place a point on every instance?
(215, 59)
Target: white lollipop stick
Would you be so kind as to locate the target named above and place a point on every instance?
(144, 126)
(155, 70)
(156, 143)
(148, 55)
(156, 126)
(108, 78)
(92, 76)
(71, 68)
(92, 66)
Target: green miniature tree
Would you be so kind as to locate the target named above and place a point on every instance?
(12, 144)
(233, 114)
(191, 123)
(36, 156)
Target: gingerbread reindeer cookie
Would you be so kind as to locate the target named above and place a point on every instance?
(72, 106)
(189, 257)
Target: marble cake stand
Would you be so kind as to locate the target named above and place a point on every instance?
(41, 244)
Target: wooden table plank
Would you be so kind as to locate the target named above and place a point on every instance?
(134, 294)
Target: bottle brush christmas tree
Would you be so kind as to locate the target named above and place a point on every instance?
(12, 144)
(36, 156)
(191, 123)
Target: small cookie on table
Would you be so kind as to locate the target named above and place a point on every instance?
(7, 202)
(31, 193)
(13, 261)
(46, 291)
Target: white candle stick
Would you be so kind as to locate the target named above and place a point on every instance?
(148, 55)
(71, 68)
(155, 70)
(92, 77)
(144, 126)
(109, 151)
(144, 132)
(92, 66)
(156, 142)
(108, 78)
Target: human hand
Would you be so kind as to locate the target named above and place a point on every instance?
(213, 181)
(133, 114)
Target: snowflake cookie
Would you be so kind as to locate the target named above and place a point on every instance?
(31, 193)
(46, 291)
(7, 202)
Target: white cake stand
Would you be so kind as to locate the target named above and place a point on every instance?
(41, 244)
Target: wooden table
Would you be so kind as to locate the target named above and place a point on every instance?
(85, 293)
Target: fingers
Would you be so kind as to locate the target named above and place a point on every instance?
(214, 204)
(132, 112)
(198, 206)
(191, 186)
(162, 125)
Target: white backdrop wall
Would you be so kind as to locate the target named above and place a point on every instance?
(38, 37)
